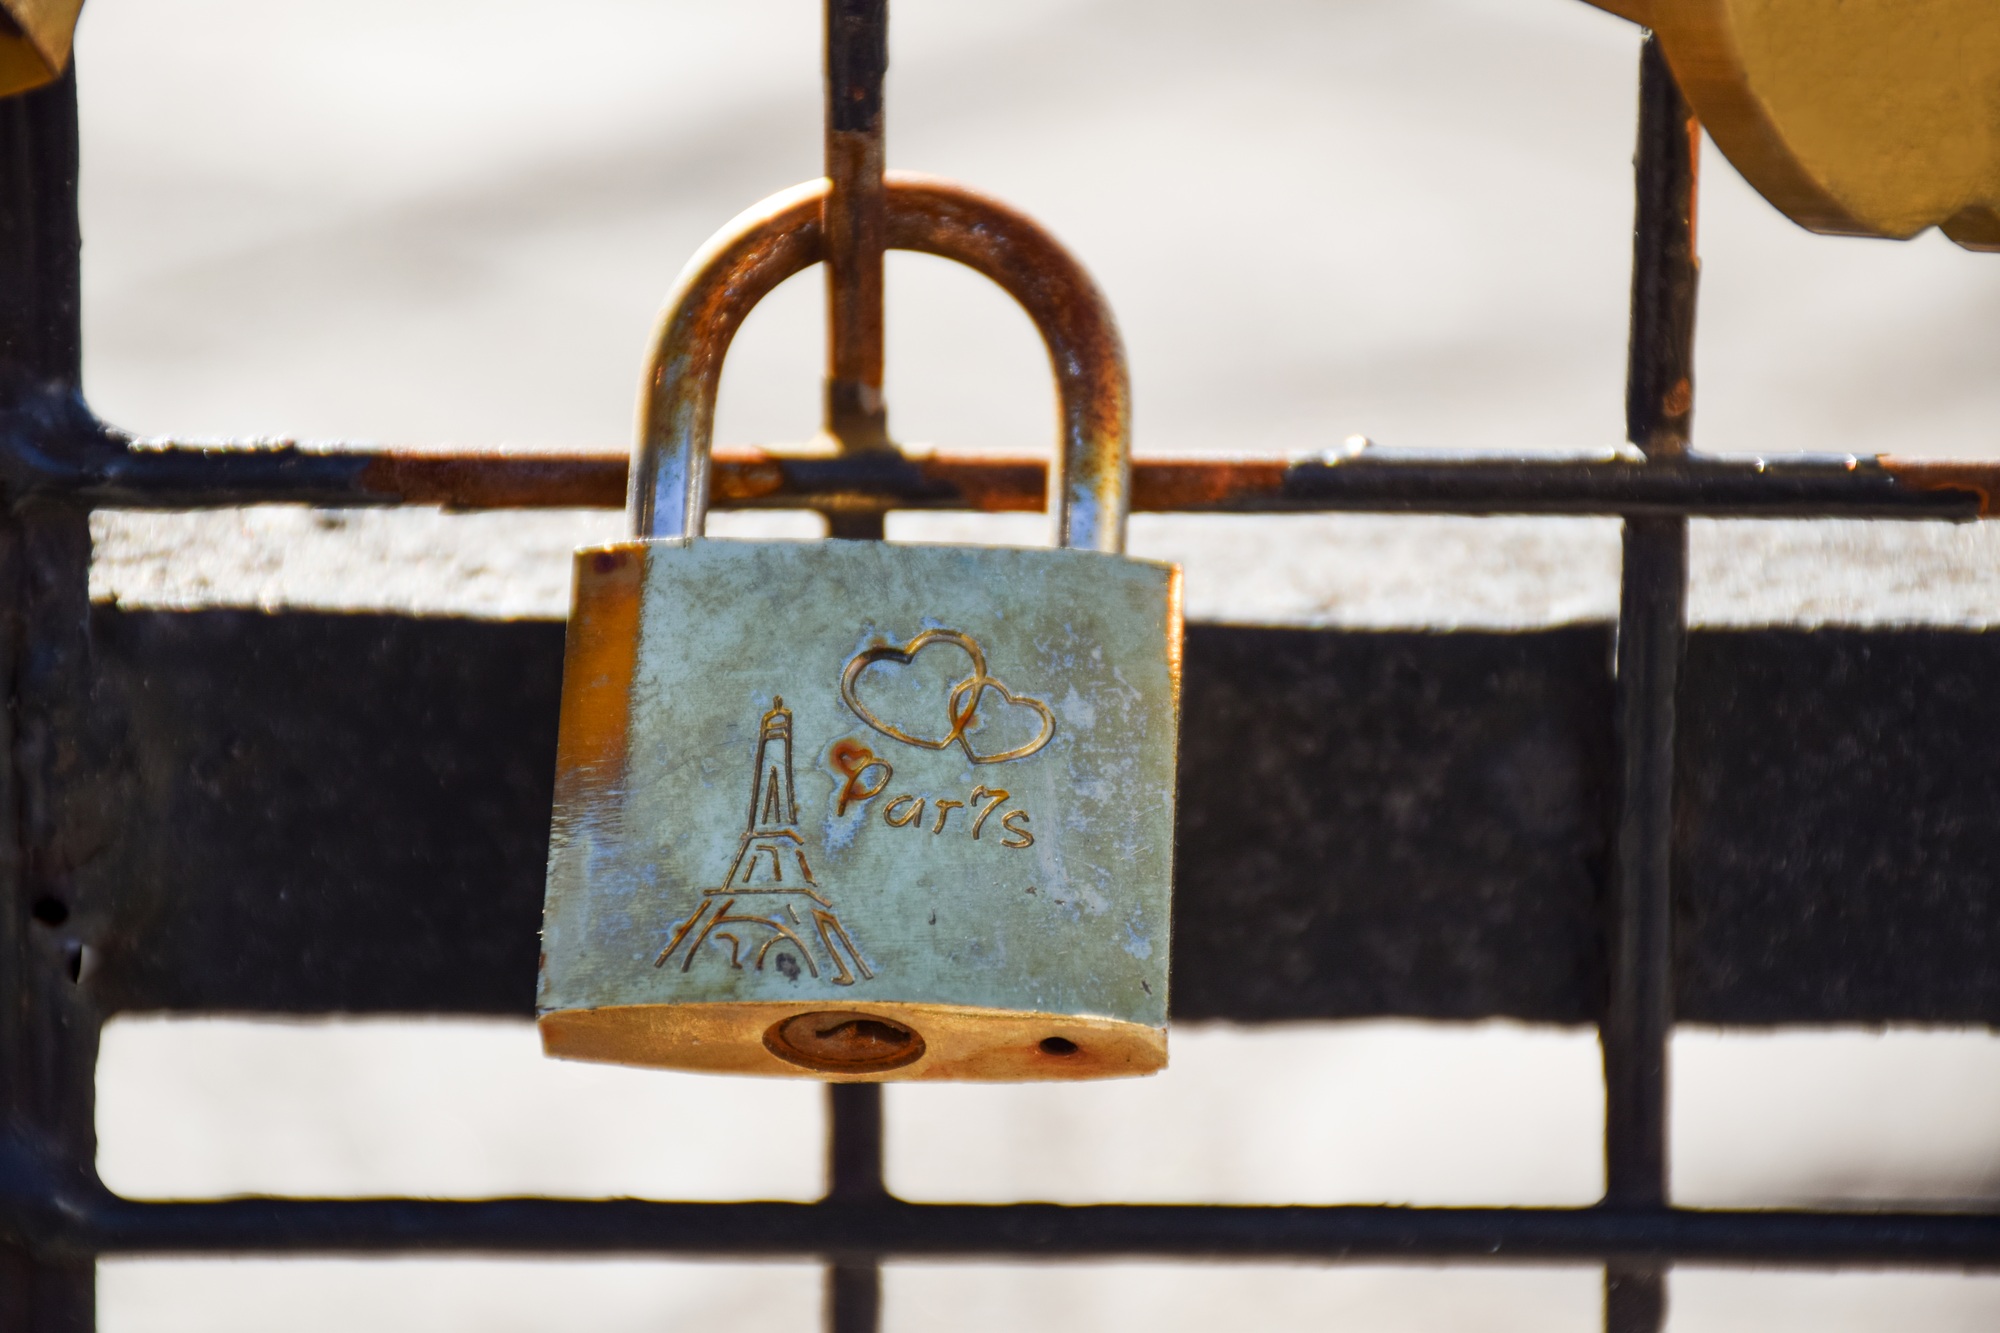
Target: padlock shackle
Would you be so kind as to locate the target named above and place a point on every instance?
(1090, 485)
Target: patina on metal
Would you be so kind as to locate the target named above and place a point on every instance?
(858, 811)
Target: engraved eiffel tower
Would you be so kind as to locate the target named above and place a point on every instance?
(771, 872)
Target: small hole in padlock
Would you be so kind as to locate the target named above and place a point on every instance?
(51, 911)
(840, 1041)
(1058, 1046)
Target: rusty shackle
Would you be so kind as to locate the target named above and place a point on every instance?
(1090, 485)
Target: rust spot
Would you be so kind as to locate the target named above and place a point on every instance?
(498, 479)
(854, 761)
(746, 475)
(1979, 481)
(1205, 483)
(1678, 399)
(989, 483)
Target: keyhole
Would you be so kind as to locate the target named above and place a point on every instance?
(840, 1041)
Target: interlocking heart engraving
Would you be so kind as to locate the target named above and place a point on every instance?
(962, 706)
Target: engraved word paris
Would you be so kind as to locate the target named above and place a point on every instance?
(868, 776)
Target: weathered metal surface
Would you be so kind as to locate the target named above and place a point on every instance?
(958, 770)
(520, 479)
(1971, 478)
(1380, 480)
(1090, 493)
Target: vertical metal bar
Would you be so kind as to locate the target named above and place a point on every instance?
(857, 59)
(1635, 1299)
(853, 1297)
(855, 224)
(854, 1142)
(1639, 1013)
(48, 1026)
(1652, 634)
(854, 1175)
(1638, 1017)
(1659, 381)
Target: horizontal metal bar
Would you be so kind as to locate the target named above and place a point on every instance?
(179, 476)
(1045, 1231)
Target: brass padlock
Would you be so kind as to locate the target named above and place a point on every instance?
(856, 810)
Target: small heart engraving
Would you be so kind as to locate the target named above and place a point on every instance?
(965, 700)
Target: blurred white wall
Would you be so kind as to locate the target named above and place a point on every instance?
(451, 221)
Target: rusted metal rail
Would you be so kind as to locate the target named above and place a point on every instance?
(159, 475)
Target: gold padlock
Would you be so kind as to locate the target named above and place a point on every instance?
(855, 810)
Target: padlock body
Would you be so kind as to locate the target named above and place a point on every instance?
(855, 810)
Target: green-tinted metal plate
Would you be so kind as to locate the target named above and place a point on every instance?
(965, 797)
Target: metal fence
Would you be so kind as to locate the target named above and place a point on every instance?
(226, 812)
